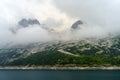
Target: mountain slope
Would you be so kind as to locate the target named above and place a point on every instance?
(91, 52)
(55, 58)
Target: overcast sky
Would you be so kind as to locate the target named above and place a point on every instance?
(99, 17)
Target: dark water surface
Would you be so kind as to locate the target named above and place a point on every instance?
(59, 75)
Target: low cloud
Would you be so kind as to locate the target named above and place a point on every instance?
(55, 19)
(102, 13)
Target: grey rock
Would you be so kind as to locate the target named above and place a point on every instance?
(26, 23)
(76, 24)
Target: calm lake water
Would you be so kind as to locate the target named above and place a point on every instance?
(59, 75)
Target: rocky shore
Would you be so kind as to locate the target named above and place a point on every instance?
(59, 68)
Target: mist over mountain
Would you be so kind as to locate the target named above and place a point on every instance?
(60, 32)
(43, 21)
(24, 23)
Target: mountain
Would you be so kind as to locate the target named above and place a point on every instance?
(85, 52)
(26, 23)
(23, 23)
(77, 24)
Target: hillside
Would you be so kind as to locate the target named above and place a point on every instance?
(85, 52)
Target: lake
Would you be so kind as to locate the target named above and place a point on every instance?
(59, 74)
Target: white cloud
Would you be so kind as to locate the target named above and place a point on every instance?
(103, 13)
(99, 17)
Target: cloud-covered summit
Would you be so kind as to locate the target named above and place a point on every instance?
(26, 22)
(99, 17)
(77, 24)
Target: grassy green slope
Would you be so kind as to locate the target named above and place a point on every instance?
(55, 58)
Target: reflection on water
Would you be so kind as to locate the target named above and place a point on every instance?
(59, 75)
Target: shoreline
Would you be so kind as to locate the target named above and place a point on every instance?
(59, 68)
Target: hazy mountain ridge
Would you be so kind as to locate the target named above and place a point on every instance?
(109, 46)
